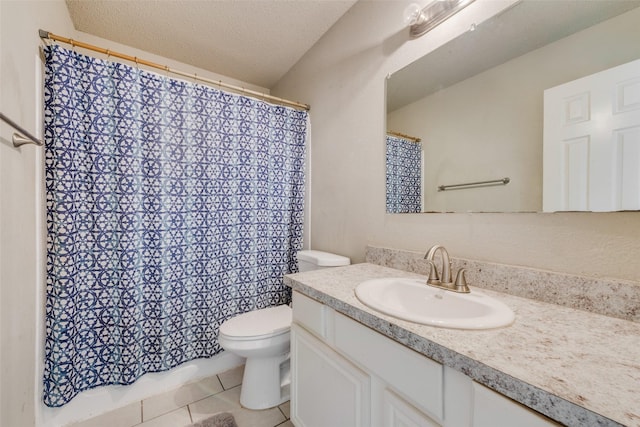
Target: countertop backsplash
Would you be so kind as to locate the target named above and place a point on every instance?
(615, 298)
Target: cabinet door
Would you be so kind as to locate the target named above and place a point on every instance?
(398, 413)
(326, 389)
(491, 409)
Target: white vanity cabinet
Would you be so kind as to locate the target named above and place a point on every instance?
(346, 374)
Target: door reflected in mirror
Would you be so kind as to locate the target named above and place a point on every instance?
(477, 104)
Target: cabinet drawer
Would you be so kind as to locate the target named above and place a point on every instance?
(311, 314)
(410, 374)
(491, 409)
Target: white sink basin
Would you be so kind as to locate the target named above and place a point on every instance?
(415, 301)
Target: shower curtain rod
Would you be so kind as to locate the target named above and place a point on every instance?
(139, 61)
(405, 136)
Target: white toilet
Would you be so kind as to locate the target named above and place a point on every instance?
(263, 337)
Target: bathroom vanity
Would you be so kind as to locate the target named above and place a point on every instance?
(354, 366)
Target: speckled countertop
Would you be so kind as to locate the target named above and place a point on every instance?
(578, 368)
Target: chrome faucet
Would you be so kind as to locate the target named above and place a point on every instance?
(460, 285)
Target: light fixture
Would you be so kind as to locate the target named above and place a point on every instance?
(425, 19)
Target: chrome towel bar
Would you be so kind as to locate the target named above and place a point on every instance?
(22, 138)
(503, 181)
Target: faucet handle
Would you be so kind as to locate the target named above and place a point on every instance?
(461, 282)
(433, 279)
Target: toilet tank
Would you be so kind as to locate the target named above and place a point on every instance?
(316, 260)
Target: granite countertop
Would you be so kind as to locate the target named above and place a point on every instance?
(576, 367)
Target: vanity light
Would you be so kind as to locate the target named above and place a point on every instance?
(425, 19)
(413, 15)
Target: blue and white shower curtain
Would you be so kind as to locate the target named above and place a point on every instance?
(404, 175)
(171, 207)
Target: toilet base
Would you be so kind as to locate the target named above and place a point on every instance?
(265, 383)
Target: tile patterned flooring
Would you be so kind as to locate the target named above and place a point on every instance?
(191, 403)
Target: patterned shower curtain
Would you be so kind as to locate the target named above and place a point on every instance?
(171, 207)
(404, 175)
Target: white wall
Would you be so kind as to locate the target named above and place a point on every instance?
(343, 79)
(21, 233)
(19, 204)
(490, 125)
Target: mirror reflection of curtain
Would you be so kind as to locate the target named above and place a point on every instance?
(404, 175)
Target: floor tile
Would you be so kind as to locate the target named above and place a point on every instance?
(167, 402)
(204, 398)
(126, 416)
(229, 401)
(232, 377)
(178, 418)
(286, 409)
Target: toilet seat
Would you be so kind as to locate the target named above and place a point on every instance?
(263, 323)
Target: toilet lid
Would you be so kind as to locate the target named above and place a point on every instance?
(266, 321)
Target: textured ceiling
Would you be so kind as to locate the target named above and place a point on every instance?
(256, 41)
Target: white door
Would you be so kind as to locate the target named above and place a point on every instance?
(592, 142)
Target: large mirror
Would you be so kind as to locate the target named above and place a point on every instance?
(476, 107)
